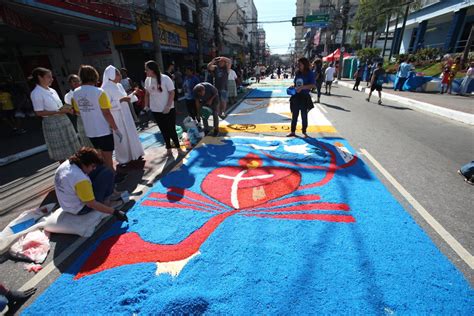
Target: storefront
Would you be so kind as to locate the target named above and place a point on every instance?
(137, 47)
(59, 35)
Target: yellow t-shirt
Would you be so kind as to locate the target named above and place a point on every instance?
(84, 191)
(6, 103)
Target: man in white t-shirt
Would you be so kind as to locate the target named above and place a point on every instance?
(329, 77)
(83, 184)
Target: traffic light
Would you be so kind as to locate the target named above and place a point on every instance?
(297, 21)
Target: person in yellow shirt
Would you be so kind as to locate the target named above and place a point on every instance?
(83, 184)
(7, 111)
(94, 107)
(454, 70)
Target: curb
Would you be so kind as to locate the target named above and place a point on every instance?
(22, 154)
(462, 117)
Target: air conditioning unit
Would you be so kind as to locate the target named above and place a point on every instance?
(204, 3)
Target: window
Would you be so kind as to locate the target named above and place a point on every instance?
(184, 12)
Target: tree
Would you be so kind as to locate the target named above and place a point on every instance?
(367, 54)
(369, 17)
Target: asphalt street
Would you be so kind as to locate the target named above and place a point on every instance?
(421, 151)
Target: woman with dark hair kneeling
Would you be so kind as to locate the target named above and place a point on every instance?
(301, 101)
(83, 184)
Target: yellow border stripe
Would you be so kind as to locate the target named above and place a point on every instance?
(273, 128)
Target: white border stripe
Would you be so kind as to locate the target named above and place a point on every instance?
(442, 232)
(322, 108)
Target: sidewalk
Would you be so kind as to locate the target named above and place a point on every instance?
(455, 107)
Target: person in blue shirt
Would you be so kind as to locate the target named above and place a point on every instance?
(190, 81)
(402, 74)
(301, 102)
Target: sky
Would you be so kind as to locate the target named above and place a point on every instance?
(279, 35)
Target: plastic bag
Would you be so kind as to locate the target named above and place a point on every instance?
(33, 246)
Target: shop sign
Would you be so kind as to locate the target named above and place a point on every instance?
(22, 22)
(172, 37)
(91, 10)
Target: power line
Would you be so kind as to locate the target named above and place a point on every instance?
(259, 22)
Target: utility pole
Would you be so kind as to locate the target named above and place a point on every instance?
(199, 32)
(217, 40)
(155, 30)
(345, 17)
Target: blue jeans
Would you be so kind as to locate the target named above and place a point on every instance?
(102, 179)
(3, 302)
(400, 83)
(318, 88)
(295, 110)
(468, 170)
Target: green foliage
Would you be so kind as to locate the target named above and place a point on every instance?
(366, 54)
(427, 54)
(369, 16)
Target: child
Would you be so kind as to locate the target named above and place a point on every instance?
(446, 77)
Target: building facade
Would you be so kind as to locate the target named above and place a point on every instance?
(262, 48)
(311, 42)
(58, 35)
(437, 24)
(178, 35)
(238, 19)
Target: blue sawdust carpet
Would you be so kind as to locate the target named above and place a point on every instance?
(267, 92)
(263, 226)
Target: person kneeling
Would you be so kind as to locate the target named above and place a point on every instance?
(84, 184)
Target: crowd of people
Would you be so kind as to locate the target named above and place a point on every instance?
(107, 111)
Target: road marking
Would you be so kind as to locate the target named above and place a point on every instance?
(50, 267)
(273, 128)
(322, 108)
(442, 232)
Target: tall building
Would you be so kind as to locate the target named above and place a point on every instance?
(239, 29)
(262, 47)
(251, 17)
(316, 41)
(304, 8)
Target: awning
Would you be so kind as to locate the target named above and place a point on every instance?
(335, 56)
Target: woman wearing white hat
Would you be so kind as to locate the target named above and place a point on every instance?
(130, 148)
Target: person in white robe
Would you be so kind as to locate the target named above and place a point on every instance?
(130, 148)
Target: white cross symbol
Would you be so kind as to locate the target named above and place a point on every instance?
(235, 184)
